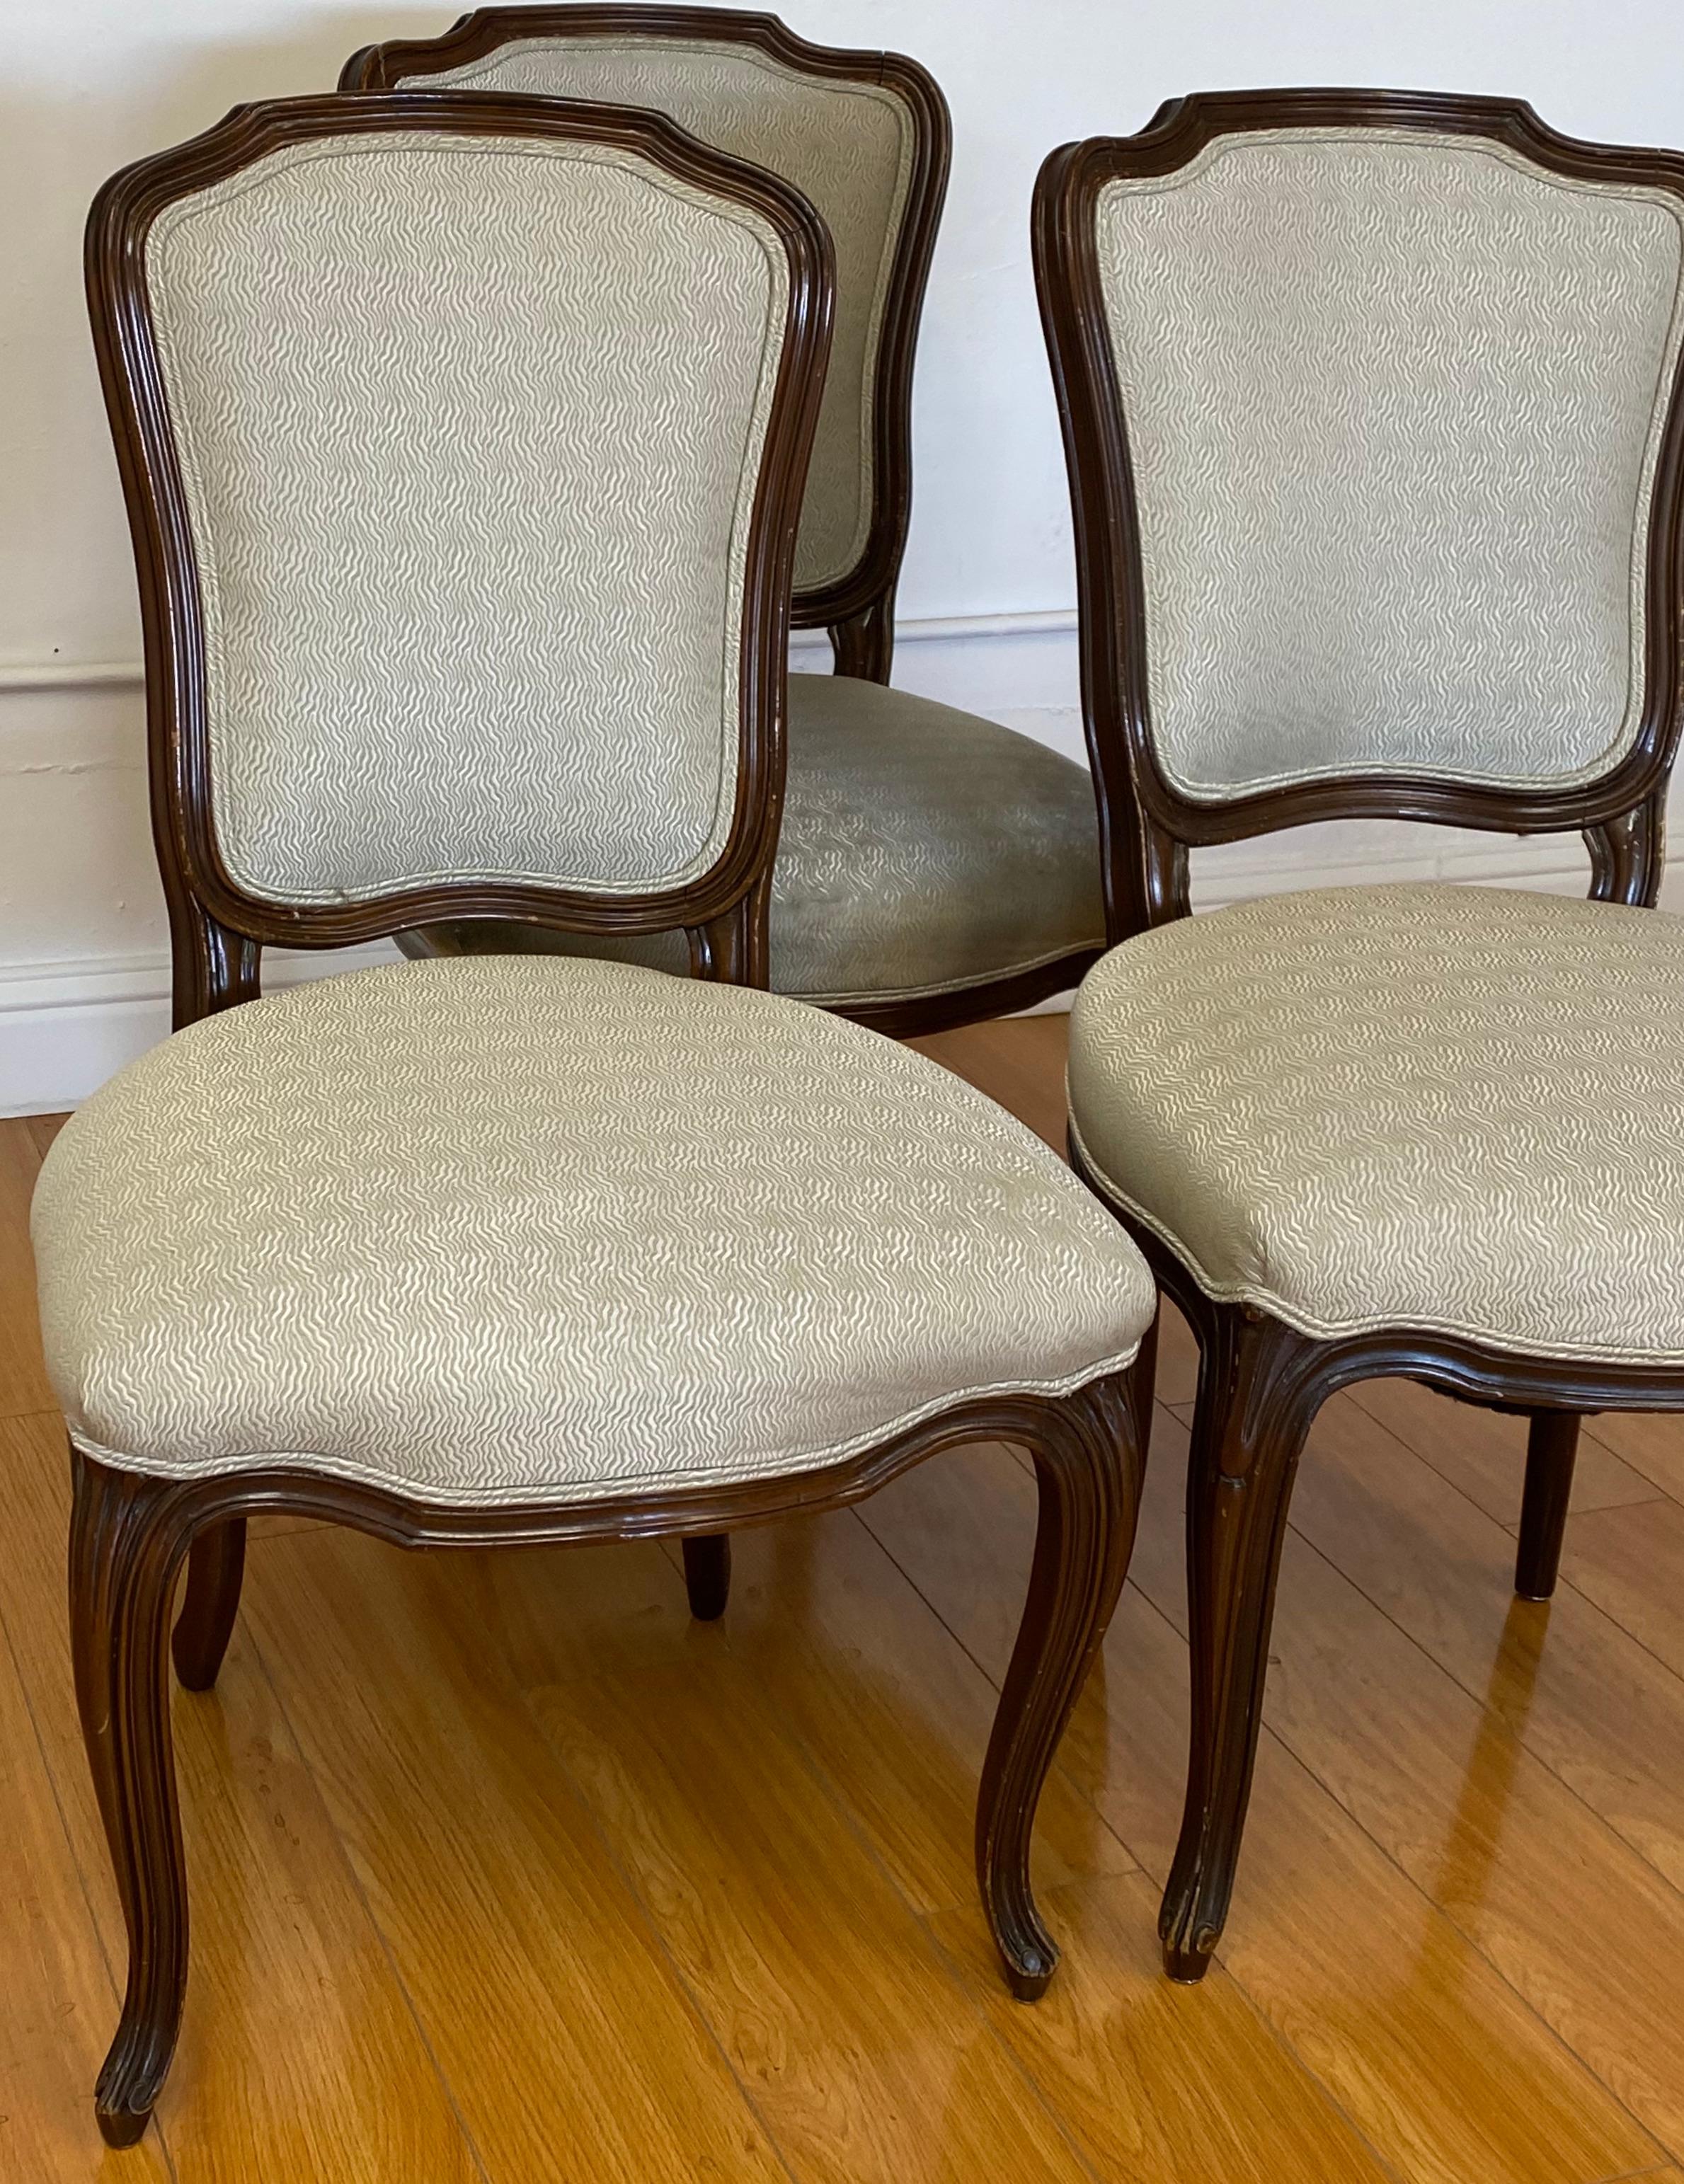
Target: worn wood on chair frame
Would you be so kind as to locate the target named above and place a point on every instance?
(857, 609)
(1261, 1382)
(130, 1531)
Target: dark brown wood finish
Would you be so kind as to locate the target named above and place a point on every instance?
(1146, 826)
(858, 610)
(130, 1532)
(218, 928)
(1261, 1382)
(707, 1575)
(1551, 1449)
(215, 1572)
(217, 931)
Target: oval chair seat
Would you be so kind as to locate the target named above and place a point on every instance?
(922, 850)
(501, 1229)
(1435, 1107)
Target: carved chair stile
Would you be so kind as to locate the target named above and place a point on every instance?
(336, 1126)
(1177, 411)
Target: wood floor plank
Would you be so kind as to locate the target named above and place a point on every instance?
(58, 2004)
(543, 1844)
(871, 2062)
(1484, 1452)
(299, 2056)
(1595, 1706)
(1630, 1562)
(1177, 1358)
(568, 2043)
(882, 1697)
(1483, 1828)
(1159, 2084)
(1017, 1061)
(1651, 1442)
(23, 1385)
(43, 1128)
(1437, 2061)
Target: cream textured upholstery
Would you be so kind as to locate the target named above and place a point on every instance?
(848, 147)
(1420, 1106)
(922, 850)
(418, 665)
(1394, 402)
(498, 1230)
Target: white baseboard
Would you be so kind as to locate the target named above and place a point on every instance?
(65, 1028)
(78, 877)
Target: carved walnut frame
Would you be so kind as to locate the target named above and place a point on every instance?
(130, 1531)
(858, 609)
(1260, 1382)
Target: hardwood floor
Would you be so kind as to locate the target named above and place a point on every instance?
(504, 1871)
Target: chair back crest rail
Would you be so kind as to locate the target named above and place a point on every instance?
(415, 404)
(864, 134)
(1371, 405)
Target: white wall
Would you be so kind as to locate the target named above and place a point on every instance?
(90, 84)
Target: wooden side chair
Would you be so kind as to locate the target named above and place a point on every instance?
(422, 403)
(1371, 408)
(934, 868)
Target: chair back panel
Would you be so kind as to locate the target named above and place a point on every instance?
(1395, 401)
(848, 145)
(470, 430)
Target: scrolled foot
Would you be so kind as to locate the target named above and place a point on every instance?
(1187, 1962)
(1029, 1977)
(119, 2129)
(128, 2086)
(1088, 1471)
(1189, 1934)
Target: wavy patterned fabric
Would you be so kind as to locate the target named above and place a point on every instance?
(922, 850)
(847, 146)
(471, 431)
(500, 1229)
(1394, 403)
(1435, 1107)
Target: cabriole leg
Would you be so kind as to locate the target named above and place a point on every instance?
(1255, 1407)
(1089, 1466)
(123, 1556)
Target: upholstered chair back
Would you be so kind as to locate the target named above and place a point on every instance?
(470, 419)
(1395, 402)
(863, 136)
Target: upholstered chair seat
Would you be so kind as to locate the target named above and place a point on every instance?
(924, 850)
(1373, 409)
(422, 405)
(1426, 1107)
(502, 1231)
